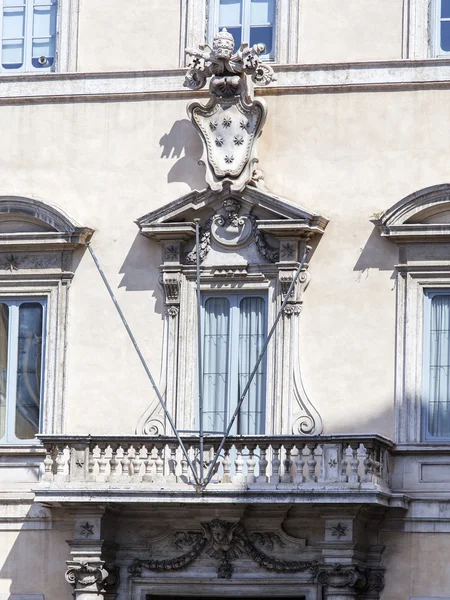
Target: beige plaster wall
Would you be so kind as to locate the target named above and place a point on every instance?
(128, 36)
(33, 562)
(417, 564)
(115, 36)
(350, 30)
(346, 156)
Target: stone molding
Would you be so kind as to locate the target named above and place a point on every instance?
(312, 78)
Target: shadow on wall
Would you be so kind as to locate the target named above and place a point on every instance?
(183, 142)
(140, 269)
(378, 253)
(35, 563)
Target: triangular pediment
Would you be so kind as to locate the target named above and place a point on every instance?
(176, 219)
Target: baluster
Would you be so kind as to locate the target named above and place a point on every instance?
(262, 463)
(184, 467)
(354, 464)
(226, 464)
(48, 468)
(275, 477)
(239, 463)
(251, 463)
(377, 466)
(344, 465)
(287, 463)
(148, 462)
(159, 463)
(91, 464)
(311, 464)
(61, 461)
(102, 462)
(137, 461)
(114, 464)
(368, 466)
(299, 465)
(319, 455)
(172, 476)
(126, 462)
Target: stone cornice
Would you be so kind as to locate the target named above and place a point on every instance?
(311, 78)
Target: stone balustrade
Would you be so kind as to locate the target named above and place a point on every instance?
(250, 463)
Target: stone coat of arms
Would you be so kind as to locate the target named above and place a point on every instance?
(232, 121)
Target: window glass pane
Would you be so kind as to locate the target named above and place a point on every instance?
(4, 327)
(13, 2)
(236, 33)
(29, 356)
(12, 54)
(439, 380)
(251, 340)
(45, 49)
(215, 363)
(445, 36)
(445, 9)
(44, 21)
(262, 12)
(13, 23)
(230, 13)
(262, 35)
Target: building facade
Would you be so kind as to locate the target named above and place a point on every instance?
(295, 226)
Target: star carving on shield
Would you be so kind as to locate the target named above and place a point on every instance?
(86, 530)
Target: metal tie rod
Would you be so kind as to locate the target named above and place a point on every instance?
(144, 364)
(258, 362)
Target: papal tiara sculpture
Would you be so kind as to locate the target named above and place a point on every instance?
(232, 121)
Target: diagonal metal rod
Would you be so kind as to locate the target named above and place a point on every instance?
(144, 364)
(199, 352)
(255, 368)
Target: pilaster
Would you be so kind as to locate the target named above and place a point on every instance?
(91, 570)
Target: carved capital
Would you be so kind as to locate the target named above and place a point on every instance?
(87, 575)
(338, 576)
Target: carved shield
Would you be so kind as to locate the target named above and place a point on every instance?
(229, 131)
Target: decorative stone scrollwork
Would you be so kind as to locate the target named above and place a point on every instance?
(205, 244)
(171, 282)
(223, 541)
(231, 122)
(87, 575)
(340, 576)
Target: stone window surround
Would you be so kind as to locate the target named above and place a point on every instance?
(291, 412)
(196, 29)
(423, 264)
(38, 264)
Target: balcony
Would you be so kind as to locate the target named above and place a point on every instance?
(324, 469)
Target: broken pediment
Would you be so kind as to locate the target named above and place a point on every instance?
(423, 216)
(254, 223)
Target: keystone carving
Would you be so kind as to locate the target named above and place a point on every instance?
(223, 541)
(232, 121)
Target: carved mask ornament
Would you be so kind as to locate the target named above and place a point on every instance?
(232, 121)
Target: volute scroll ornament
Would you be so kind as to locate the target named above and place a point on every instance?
(231, 122)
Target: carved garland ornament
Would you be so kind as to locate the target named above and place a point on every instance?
(224, 541)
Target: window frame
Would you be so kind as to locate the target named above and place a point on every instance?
(11, 395)
(428, 295)
(232, 383)
(436, 30)
(66, 42)
(28, 37)
(214, 25)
